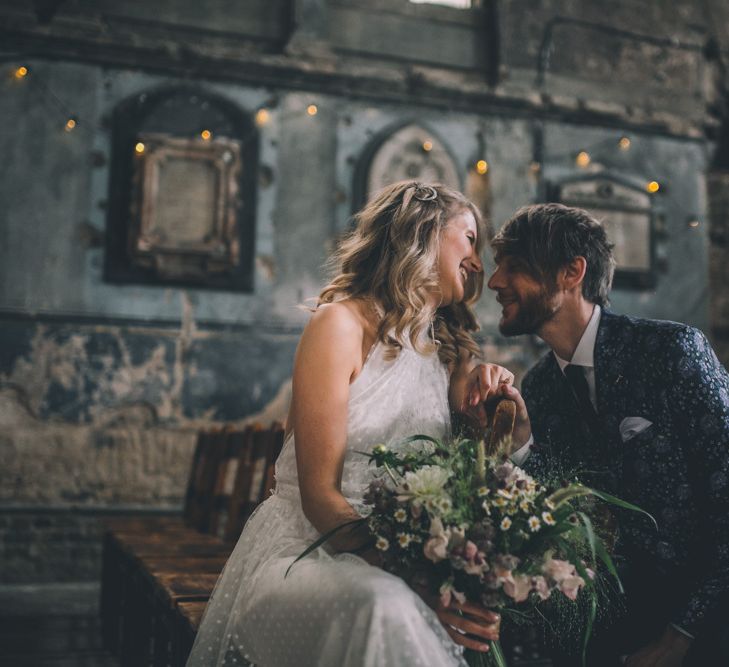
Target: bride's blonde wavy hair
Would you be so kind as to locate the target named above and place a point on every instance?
(391, 258)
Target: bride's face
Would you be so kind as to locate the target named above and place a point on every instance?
(457, 257)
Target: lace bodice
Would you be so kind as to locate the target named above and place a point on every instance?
(389, 400)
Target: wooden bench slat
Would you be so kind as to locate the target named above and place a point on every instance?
(191, 613)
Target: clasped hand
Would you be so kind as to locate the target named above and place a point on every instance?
(471, 390)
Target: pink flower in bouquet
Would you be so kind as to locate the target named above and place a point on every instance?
(436, 547)
(558, 569)
(470, 550)
(571, 586)
(565, 576)
(518, 587)
(447, 592)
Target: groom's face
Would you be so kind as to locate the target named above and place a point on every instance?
(526, 303)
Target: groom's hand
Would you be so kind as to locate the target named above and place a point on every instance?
(522, 425)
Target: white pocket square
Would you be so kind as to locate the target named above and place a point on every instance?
(631, 426)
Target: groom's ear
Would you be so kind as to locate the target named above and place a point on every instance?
(571, 275)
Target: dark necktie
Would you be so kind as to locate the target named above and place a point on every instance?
(578, 383)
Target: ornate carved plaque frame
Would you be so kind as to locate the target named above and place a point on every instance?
(626, 212)
(182, 191)
(184, 207)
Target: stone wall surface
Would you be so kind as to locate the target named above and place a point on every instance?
(103, 386)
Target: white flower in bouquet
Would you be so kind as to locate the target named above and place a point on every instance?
(426, 486)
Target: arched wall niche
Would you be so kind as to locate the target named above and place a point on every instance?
(182, 191)
(399, 152)
(409, 149)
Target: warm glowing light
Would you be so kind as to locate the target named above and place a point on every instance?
(624, 143)
(482, 166)
(583, 159)
(207, 135)
(693, 224)
(312, 110)
(427, 145)
(139, 148)
(263, 116)
(653, 186)
(70, 124)
(21, 72)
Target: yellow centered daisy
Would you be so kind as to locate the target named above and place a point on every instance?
(534, 524)
(382, 544)
(400, 515)
(482, 491)
(404, 539)
(506, 523)
(548, 518)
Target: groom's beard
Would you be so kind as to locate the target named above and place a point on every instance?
(533, 310)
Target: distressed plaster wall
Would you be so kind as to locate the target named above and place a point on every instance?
(102, 387)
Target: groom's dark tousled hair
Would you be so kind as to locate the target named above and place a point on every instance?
(547, 237)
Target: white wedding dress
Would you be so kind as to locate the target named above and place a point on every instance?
(332, 610)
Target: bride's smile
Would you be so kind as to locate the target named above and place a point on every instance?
(458, 257)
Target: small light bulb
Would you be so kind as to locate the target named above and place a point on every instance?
(206, 135)
(482, 166)
(653, 187)
(624, 143)
(263, 116)
(139, 148)
(70, 124)
(21, 72)
(693, 224)
(427, 145)
(583, 159)
(312, 110)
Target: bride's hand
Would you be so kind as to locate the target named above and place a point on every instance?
(470, 625)
(470, 389)
(485, 382)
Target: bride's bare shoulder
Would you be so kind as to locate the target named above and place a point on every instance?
(340, 322)
(347, 316)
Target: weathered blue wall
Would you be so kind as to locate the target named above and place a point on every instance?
(103, 386)
(91, 346)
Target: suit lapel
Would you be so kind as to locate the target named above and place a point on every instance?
(611, 372)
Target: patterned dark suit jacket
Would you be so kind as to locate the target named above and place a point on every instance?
(677, 469)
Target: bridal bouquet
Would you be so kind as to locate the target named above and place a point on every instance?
(476, 527)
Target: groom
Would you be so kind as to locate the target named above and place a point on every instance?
(638, 408)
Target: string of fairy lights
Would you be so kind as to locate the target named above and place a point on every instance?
(583, 158)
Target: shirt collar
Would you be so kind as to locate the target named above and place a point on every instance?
(584, 354)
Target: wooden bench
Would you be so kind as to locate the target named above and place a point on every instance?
(152, 567)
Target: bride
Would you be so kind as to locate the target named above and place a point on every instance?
(387, 346)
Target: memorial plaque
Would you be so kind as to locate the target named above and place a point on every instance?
(411, 152)
(182, 191)
(185, 205)
(625, 210)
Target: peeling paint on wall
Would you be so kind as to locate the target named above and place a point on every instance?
(185, 377)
